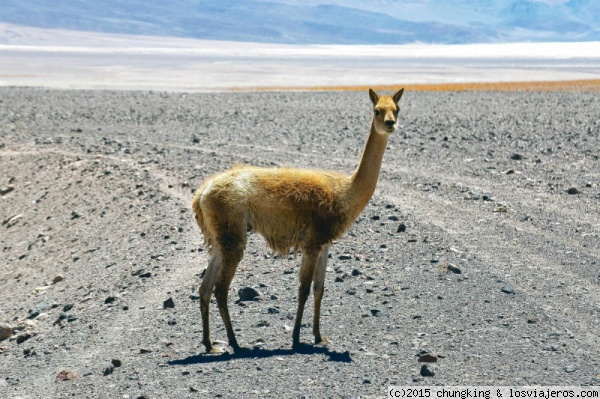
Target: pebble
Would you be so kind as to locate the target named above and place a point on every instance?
(573, 191)
(516, 157)
(168, 304)
(23, 337)
(41, 307)
(570, 368)
(356, 272)
(454, 269)
(401, 228)
(10, 222)
(426, 371)
(507, 289)
(376, 312)
(427, 358)
(6, 190)
(248, 294)
(57, 279)
(6, 331)
(345, 257)
(195, 296)
(551, 348)
(66, 375)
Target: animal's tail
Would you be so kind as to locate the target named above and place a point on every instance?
(197, 207)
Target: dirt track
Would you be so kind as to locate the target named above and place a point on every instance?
(496, 274)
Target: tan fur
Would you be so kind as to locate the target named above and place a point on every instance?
(292, 209)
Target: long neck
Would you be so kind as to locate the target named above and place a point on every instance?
(364, 179)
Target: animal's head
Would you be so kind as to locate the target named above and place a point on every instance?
(385, 111)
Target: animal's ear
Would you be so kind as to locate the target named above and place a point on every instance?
(374, 96)
(398, 95)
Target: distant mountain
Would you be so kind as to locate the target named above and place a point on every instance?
(321, 21)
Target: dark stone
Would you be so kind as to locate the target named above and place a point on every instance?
(248, 294)
(427, 358)
(454, 269)
(109, 370)
(426, 372)
(401, 228)
(168, 304)
(23, 337)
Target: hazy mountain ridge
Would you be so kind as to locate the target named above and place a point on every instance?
(345, 22)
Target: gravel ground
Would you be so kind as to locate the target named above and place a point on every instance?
(480, 247)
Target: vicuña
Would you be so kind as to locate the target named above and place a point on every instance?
(292, 209)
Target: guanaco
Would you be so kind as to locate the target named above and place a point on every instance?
(295, 209)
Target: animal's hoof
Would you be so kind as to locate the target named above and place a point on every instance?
(324, 342)
(215, 350)
(211, 348)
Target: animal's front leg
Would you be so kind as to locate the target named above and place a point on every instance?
(307, 269)
(319, 289)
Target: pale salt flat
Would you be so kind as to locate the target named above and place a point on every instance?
(80, 60)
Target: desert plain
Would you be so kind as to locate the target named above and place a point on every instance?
(477, 261)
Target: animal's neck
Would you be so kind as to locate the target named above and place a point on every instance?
(364, 179)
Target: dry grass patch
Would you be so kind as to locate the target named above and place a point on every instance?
(591, 85)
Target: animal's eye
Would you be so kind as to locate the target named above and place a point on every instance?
(397, 110)
(376, 112)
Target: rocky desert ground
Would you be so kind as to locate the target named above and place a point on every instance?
(477, 261)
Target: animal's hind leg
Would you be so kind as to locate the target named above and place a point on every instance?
(232, 255)
(319, 288)
(205, 291)
(307, 269)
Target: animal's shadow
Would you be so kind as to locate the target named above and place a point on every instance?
(332, 356)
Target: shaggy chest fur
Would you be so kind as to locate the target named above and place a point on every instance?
(296, 208)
